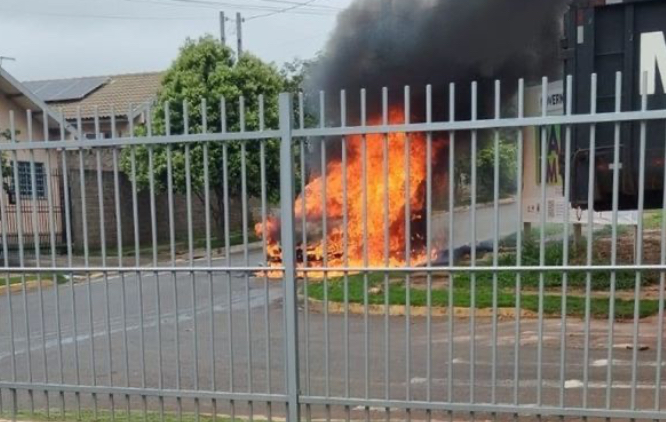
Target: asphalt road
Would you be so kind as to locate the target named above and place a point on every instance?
(159, 355)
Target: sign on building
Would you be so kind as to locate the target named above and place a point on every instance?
(555, 204)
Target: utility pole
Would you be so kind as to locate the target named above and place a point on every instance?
(223, 32)
(239, 33)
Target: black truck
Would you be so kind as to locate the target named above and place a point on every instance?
(606, 37)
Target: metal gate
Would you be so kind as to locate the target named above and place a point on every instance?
(396, 280)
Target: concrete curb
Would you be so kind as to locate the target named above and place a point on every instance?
(252, 247)
(505, 201)
(415, 311)
(30, 286)
(200, 255)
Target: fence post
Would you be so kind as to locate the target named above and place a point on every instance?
(288, 254)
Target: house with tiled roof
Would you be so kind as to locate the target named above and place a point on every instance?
(120, 98)
(98, 107)
(91, 105)
(24, 117)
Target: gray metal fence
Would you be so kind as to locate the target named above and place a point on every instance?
(396, 281)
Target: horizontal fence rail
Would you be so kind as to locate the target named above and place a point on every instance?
(350, 256)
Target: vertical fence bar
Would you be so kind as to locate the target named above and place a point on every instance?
(472, 320)
(565, 241)
(36, 232)
(542, 239)
(244, 219)
(19, 227)
(429, 247)
(86, 259)
(190, 246)
(227, 245)
(324, 217)
(4, 215)
(264, 218)
(119, 247)
(590, 238)
(496, 234)
(209, 261)
(137, 260)
(102, 234)
(304, 248)
(385, 215)
(68, 231)
(364, 217)
(172, 256)
(519, 248)
(158, 290)
(52, 240)
(288, 257)
(408, 248)
(613, 278)
(452, 201)
(345, 245)
(639, 245)
(662, 294)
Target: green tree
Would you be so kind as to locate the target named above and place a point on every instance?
(507, 171)
(5, 167)
(207, 70)
(485, 171)
(295, 73)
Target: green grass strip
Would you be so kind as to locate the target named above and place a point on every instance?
(17, 279)
(119, 416)
(599, 307)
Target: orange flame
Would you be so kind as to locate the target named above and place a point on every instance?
(329, 251)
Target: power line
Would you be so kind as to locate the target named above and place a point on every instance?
(111, 17)
(315, 10)
(190, 3)
(285, 10)
(200, 3)
(318, 6)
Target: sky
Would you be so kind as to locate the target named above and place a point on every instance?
(70, 38)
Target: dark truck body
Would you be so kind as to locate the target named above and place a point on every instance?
(604, 37)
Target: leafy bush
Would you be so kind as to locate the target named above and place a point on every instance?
(485, 171)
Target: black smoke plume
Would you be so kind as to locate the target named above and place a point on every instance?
(393, 43)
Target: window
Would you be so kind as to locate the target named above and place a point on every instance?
(25, 180)
(91, 136)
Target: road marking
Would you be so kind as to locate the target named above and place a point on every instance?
(167, 318)
(617, 362)
(571, 384)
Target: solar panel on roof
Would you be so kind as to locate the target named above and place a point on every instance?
(65, 89)
(46, 90)
(36, 87)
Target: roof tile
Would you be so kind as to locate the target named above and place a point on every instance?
(117, 94)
